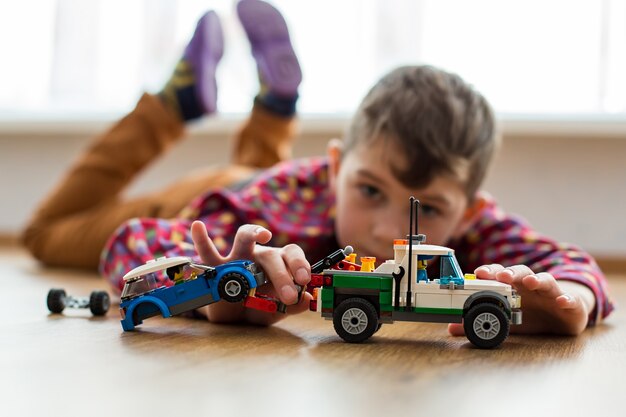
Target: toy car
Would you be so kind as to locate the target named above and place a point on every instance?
(359, 301)
(98, 302)
(195, 285)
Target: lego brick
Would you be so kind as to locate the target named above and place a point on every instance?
(427, 318)
(317, 280)
(191, 304)
(386, 300)
(261, 304)
(386, 284)
(428, 310)
(361, 280)
(433, 300)
(458, 299)
(327, 298)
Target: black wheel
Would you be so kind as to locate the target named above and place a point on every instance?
(233, 287)
(486, 325)
(355, 320)
(56, 300)
(99, 303)
(378, 327)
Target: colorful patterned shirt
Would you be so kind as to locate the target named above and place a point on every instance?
(294, 202)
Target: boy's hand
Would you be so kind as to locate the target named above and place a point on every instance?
(282, 266)
(548, 306)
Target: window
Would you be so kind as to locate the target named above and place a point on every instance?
(526, 56)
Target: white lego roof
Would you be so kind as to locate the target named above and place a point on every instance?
(157, 265)
(429, 250)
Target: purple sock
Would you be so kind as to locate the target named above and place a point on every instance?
(192, 89)
(279, 70)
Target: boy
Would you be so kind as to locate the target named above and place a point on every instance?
(419, 131)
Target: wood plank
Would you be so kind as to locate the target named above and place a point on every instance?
(298, 367)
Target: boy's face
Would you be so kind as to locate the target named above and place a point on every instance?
(373, 205)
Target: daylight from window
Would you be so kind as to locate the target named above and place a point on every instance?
(527, 57)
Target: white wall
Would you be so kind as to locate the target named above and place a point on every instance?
(569, 184)
(570, 188)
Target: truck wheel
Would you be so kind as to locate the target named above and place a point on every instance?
(355, 320)
(56, 300)
(233, 287)
(99, 303)
(486, 325)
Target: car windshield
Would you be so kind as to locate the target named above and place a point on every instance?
(449, 267)
(139, 285)
(192, 271)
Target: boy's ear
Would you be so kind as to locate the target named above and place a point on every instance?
(334, 151)
(471, 215)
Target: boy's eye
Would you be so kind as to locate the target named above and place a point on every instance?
(429, 211)
(369, 191)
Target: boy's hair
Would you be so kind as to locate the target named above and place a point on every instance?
(441, 124)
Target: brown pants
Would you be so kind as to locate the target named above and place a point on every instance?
(72, 225)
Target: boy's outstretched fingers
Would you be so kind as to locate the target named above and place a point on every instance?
(245, 241)
(204, 245)
(543, 283)
(488, 271)
(508, 275)
(513, 275)
(567, 302)
(243, 246)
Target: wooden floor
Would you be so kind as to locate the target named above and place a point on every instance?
(74, 364)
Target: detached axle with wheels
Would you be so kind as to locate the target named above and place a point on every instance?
(98, 302)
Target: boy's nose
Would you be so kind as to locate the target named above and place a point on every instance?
(388, 231)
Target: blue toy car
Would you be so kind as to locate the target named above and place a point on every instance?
(194, 286)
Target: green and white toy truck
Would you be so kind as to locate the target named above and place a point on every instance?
(359, 300)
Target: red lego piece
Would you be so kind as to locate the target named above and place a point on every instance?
(346, 266)
(317, 280)
(261, 303)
